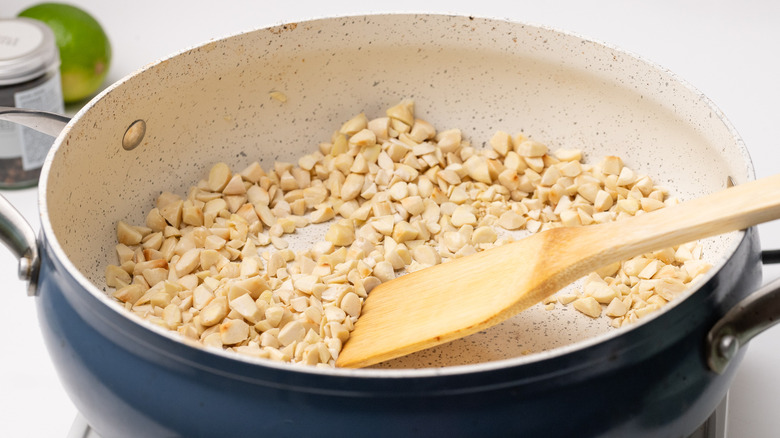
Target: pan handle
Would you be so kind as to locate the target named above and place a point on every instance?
(42, 121)
(19, 237)
(15, 232)
(751, 316)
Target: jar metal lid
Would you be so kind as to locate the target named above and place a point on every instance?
(27, 50)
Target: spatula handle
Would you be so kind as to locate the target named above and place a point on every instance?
(735, 208)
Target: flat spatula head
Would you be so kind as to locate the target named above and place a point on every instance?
(451, 300)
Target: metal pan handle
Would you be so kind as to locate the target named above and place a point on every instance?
(15, 232)
(19, 237)
(751, 316)
(42, 121)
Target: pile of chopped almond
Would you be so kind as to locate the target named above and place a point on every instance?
(396, 195)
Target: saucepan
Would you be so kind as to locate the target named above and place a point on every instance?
(545, 373)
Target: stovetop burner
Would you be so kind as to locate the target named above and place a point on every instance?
(713, 427)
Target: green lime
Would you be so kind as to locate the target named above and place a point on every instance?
(85, 51)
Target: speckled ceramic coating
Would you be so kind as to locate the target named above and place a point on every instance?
(212, 103)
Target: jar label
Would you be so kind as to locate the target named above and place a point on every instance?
(28, 143)
(10, 144)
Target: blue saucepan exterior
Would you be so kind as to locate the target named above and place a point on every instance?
(653, 380)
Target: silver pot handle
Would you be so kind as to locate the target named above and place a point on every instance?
(751, 316)
(42, 121)
(19, 237)
(15, 232)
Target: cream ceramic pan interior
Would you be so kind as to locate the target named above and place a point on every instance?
(213, 103)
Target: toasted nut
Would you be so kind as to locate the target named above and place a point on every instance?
(568, 154)
(363, 138)
(166, 198)
(616, 308)
(603, 201)
(155, 221)
(212, 340)
(449, 141)
(601, 292)
(570, 169)
(352, 186)
(422, 130)
(253, 172)
(172, 212)
(477, 168)
(192, 215)
(426, 255)
(414, 205)
(214, 312)
(130, 293)
(279, 243)
(188, 262)
(509, 179)
(611, 165)
(354, 125)
(273, 315)
(340, 234)
(403, 231)
(462, 216)
(567, 298)
(398, 191)
(630, 206)
(501, 142)
(351, 304)
(403, 112)
(695, 268)
(550, 176)
(307, 162)
(380, 126)
(127, 235)
(511, 221)
(155, 275)
(268, 334)
(322, 214)
(531, 149)
(117, 277)
(589, 306)
(235, 186)
(172, 316)
(483, 235)
(668, 288)
(626, 177)
(201, 297)
(384, 271)
(634, 266)
(454, 241)
(293, 331)
(233, 331)
(339, 145)
(648, 271)
(219, 176)
(247, 308)
(649, 204)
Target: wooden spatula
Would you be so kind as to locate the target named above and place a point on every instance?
(457, 298)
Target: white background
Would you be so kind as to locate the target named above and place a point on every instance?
(727, 49)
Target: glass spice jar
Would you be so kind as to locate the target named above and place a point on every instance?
(29, 78)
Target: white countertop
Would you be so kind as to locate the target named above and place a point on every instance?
(727, 49)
